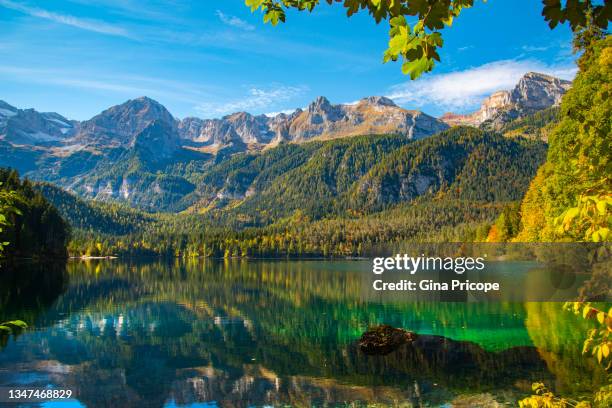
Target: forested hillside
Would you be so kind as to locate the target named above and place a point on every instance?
(535, 126)
(337, 197)
(371, 174)
(570, 198)
(36, 228)
(103, 218)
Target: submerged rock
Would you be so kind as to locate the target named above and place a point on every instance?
(384, 339)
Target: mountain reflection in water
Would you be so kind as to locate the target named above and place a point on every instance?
(238, 334)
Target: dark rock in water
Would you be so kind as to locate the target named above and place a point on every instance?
(384, 339)
(447, 362)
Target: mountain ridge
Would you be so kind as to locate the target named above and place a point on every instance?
(533, 92)
(118, 125)
(138, 153)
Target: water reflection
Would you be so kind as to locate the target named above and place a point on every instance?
(28, 289)
(271, 333)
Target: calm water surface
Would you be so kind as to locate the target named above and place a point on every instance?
(238, 334)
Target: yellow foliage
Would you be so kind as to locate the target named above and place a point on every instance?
(533, 221)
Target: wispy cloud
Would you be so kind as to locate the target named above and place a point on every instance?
(234, 21)
(465, 48)
(463, 90)
(155, 10)
(534, 48)
(124, 85)
(66, 19)
(257, 99)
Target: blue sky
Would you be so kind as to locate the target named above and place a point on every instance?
(209, 58)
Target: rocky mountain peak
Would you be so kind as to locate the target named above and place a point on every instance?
(121, 123)
(144, 108)
(319, 104)
(533, 92)
(536, 91)
(378, 101)
(321, 119)
(239, 117)
(321, 110)
(373, 115)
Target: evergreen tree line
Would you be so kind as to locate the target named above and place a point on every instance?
(36, 228)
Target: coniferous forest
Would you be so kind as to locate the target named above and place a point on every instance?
(334, 198)
(33, 226)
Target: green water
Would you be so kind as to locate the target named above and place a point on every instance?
(264, 333)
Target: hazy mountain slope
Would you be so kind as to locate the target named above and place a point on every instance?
(29, 127)
(363, 173)
(135, 178)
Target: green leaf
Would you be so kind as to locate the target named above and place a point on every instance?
(13, 326)
(398, 21)
(274, 15)
(416, 68)
(435, 39)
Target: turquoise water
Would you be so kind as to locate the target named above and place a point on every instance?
(270, 333)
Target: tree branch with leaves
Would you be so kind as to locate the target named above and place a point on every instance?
(415, 33)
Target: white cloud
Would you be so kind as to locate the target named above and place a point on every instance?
(463, 90)
(256, 99)
(234, 21)
(84, 24)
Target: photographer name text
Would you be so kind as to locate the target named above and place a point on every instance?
(412, 265)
